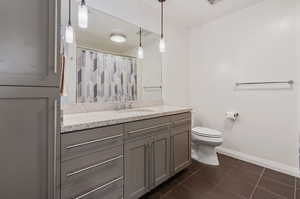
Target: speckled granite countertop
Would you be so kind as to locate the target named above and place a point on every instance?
(80, 121)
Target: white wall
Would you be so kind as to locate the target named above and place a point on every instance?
(175, 60)
(254, 44)
(176, 68)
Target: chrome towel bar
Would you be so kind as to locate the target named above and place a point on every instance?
(149, 87)
(256, 83)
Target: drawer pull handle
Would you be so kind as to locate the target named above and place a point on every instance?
(181, 121)
(93, 141)
(98, 188)
(94, 166)
(149, 128)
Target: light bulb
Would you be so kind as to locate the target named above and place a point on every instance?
(140, 52)
(69, 35)
(162, 45)
(83, 15)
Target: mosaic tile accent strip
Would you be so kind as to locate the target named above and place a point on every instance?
(104, 78)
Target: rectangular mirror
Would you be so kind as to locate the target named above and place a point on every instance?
(102, 64)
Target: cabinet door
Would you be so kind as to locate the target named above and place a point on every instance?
(161, 158)
(181, 150)
(29, 42)
(29, 143)
(137, 168)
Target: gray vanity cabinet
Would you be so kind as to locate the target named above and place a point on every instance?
(147, 155)
(161, 159)
(147, 163)
(92, 163)
(29, 42)
(139, 155)
(92, 174)
(180, 142)
(137, 170)
(29, 143)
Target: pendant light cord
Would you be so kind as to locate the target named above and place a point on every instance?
(69, 23)
(140, 37)
(162, 20)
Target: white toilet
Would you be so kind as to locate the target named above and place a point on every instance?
(204, 143)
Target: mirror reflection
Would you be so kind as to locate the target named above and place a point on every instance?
(110, 60)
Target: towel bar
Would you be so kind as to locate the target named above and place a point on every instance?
(255, 83)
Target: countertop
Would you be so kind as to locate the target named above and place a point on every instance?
(80, 121)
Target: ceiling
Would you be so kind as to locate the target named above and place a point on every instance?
(184, 13)
(190, 13)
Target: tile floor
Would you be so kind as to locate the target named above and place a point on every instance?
(233, 179)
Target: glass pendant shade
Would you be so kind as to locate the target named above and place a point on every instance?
(69, 35)
(83, 15)
(162, 45)
(162, 42)
(140, 52)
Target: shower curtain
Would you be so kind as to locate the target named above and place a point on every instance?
(105, 78)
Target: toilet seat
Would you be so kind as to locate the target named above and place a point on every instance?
(207, 140)
(206, 132)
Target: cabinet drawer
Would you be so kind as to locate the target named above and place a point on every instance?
(145, 127)
(109, 190)
(87, 172)
(79, 143)
(182, 122)
(181, 117)
(181, 127)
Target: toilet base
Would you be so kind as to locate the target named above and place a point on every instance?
(205, 154)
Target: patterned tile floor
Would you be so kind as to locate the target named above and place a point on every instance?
(233, 179)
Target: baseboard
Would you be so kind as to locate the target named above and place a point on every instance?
(260, 161)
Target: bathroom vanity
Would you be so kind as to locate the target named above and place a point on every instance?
(123, 154)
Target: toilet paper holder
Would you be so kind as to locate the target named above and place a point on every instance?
(232, 115)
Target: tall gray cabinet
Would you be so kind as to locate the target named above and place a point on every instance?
(29, 42)
(29, 99)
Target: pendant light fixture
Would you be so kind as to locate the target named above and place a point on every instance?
(69, 35)
(83, 14)
(140, 49)
(162, 42)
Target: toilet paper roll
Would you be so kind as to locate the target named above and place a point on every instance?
(232, 115)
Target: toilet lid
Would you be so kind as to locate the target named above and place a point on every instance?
(206, 132)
